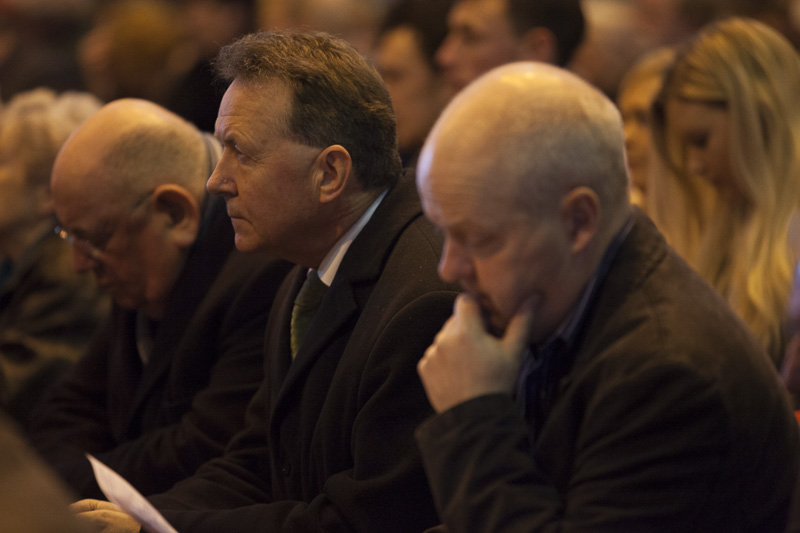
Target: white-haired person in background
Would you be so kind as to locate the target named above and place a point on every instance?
(48, 312)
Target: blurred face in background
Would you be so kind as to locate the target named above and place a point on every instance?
(634, 102)
(135, 48)
(18, 202)
(480, 37)
(702, 133)
(132, 258)
(417, 90)
(214, 23)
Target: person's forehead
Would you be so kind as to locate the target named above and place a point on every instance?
(448, 205)
(255, 105)
(80, 189)
(686, 115)
(455, 176)
(84, 194)
(642, 89)
(394, 51)
(473, 168)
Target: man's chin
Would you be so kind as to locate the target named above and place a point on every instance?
(493, 322)
(244, 245)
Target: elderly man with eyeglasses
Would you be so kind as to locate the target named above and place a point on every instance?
(165, 383)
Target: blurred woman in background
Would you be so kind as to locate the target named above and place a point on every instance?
(728, 124)
(637, 91)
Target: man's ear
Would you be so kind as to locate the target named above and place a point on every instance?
(180, 212)
(580, 212)
(538, 44)
(332, 172)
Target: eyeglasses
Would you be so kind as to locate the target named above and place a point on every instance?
(82, 245)
(85, 246)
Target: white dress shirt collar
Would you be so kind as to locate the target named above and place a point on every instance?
(330, 264)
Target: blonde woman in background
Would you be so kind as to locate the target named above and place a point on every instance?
(728, 124)
(47, 311)
(652, 187)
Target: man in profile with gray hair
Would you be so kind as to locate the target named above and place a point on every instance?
(310, 172)
(588, 378)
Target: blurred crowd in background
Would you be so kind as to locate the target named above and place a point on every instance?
(711, 118)
(156, 49)
(742, 239)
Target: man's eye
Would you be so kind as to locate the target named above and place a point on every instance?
(483, 244)
(240, 155)
(470, 36)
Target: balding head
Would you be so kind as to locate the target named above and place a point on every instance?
(535, 132)
(525, 173)
(128, 187)
(131, 146)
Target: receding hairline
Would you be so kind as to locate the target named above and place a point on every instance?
(104, 133)
(267, 87)
(520, 136)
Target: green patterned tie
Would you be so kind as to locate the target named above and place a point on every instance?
(305, 305)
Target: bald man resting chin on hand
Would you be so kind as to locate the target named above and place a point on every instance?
(588, 379)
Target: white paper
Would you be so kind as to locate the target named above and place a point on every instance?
(122, 493)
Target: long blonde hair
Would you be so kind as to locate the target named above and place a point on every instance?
(741, 245)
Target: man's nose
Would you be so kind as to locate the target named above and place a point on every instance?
(219, 183)
(455, 264)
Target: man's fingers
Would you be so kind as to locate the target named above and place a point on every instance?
(468, 311)
(84, 506)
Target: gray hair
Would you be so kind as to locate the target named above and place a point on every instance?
(146, 156)
(35, 124)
